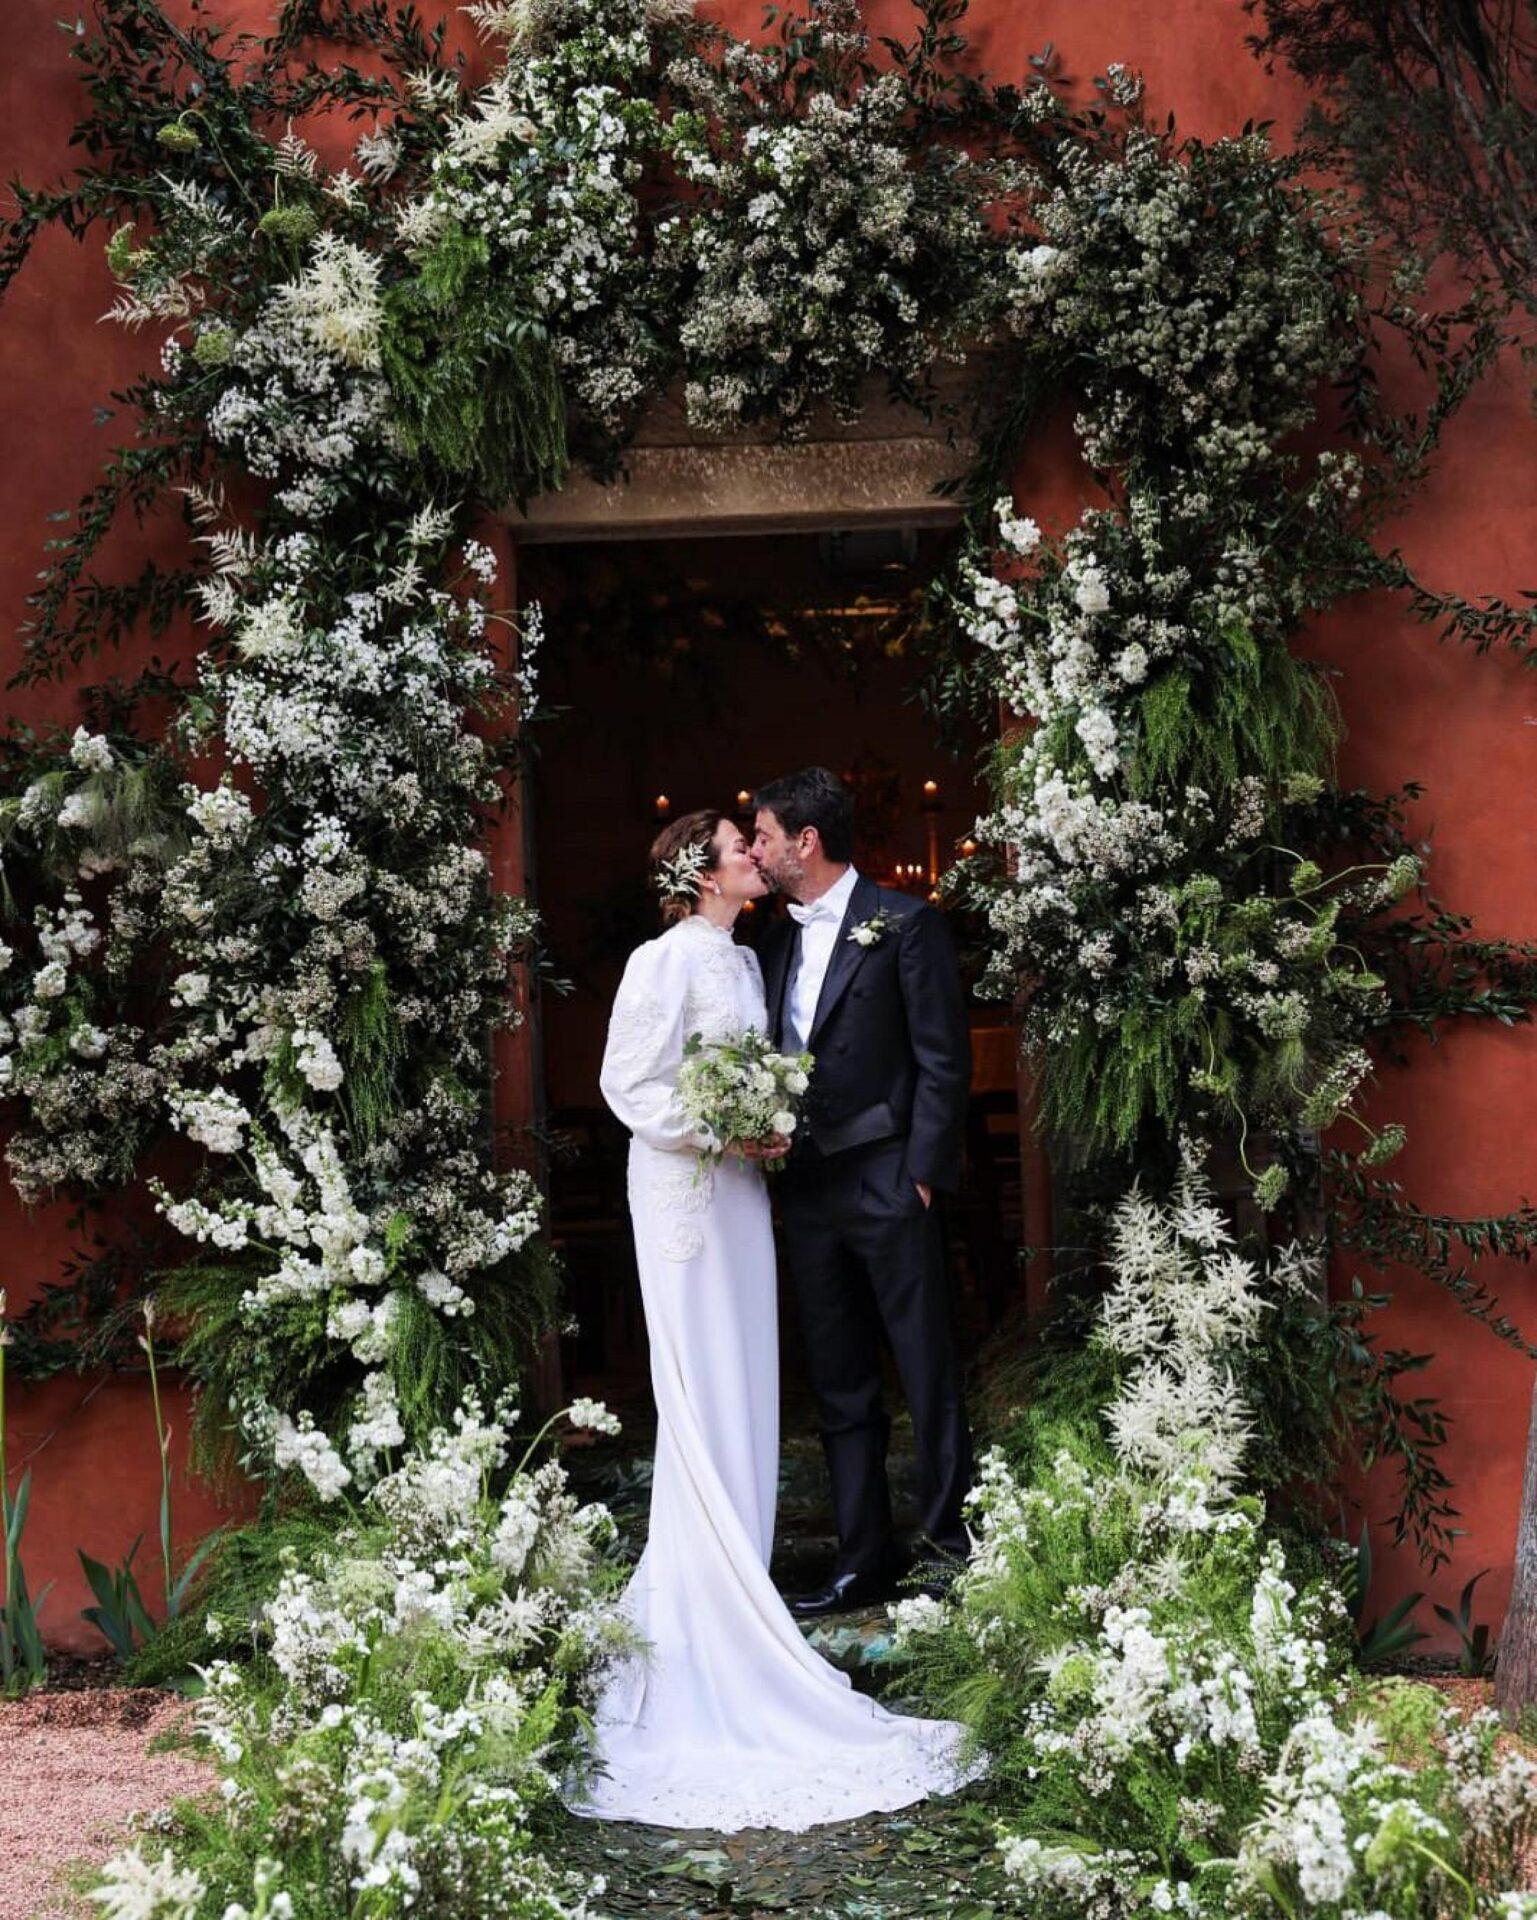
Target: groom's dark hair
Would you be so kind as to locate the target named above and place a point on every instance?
(814, 797)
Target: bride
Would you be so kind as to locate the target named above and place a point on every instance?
(727, 1719)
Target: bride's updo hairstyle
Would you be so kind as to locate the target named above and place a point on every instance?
(681, 854)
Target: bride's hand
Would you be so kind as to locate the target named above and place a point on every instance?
(774, 1148)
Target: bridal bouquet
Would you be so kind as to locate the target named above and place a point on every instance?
(739, 1088)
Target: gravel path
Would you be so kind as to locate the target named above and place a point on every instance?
(73, 1767)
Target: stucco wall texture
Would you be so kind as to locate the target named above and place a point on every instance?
(1464, 727)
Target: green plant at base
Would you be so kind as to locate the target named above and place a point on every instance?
(1378, 1641)
(120, 1614)
(175, 1588)
(23, 1663)
(1473, 1635)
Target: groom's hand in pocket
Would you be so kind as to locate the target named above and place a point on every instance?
(925, 1194)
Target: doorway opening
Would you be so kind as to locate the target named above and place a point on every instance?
(690, 671)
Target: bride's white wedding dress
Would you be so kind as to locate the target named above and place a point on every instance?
(730, 1720)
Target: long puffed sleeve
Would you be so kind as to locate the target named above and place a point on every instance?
(646, 1031)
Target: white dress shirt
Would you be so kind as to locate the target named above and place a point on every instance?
(819, 924)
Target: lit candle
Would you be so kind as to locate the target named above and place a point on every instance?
(743, 799)
(968, 848)
(663, 806)
(930, 795)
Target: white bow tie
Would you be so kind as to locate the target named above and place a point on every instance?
(818, 910)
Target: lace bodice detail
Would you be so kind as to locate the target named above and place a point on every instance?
(693, 979)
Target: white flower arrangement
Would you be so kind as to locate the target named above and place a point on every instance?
(455, 1628)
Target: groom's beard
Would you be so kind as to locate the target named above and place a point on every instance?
(786, 881)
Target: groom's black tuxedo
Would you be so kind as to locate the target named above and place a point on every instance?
(886, 1110)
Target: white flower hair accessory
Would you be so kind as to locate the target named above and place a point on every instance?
(678, 878)
(869, 931)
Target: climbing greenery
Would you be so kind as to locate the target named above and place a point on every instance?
(254, 951)
(295, 963)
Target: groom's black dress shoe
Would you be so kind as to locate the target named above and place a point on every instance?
(843, 1592)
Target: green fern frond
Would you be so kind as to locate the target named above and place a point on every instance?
(475, 381)
(372, 1049)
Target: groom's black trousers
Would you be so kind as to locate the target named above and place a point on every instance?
(864, 1254)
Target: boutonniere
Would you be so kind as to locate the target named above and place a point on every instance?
(869, 931)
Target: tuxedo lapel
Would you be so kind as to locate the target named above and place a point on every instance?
(846, 954)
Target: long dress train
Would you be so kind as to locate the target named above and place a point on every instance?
(731, 1720)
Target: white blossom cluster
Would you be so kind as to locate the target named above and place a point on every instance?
(413, 1706)
(1348, 1827)
(301, 402)
(1182, 1309)
(825, 247)
(1158, 1669)
(330, 1250)
(542, 171)
(89, 1091)
(1234, 363)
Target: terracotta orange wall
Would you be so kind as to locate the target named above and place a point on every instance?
(1463, 727)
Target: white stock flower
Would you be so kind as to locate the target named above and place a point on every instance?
(215, 1120)
(300, 1444)
(92, 751)
(593, 1416)
(316, 1060)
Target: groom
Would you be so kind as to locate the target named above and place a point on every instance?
(867, 981)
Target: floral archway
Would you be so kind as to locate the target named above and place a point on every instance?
(267, 925)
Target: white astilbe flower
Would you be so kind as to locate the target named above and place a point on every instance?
(294, 157)
(1182, 1305)
(430, 526)
(134, 1888)
(270, 627)
(334, 303)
